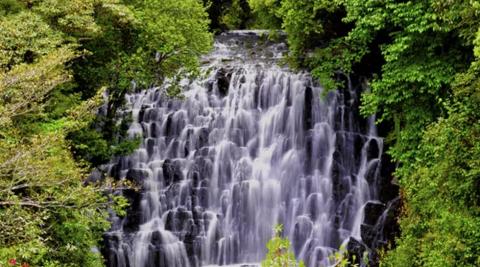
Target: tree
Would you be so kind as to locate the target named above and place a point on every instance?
(47, 216)
(441, 220)
(140, 46)
(57, 58)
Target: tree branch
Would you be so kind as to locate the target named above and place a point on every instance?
(21, 203)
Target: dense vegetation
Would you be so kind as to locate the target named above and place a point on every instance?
(421, 59)
(57, 59)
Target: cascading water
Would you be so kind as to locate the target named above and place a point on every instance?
(249, 146)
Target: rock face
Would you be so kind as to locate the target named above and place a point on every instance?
(250, 146)
(223, 77)
(356, 251)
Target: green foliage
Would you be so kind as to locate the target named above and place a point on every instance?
(303, 21)
(265, 14)
(441, 221)
(24, 37)
(74, 18)
(228, 14)
(89, 145)
(140, 45)
(10, 7)
(61, 100)
(279, 252)
(231, 18)
(341, 258)
(57, 60)
(177, 31)
(41, 185)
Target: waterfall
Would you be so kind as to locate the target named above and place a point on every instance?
(251, 144)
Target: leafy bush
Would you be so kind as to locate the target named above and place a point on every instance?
(280, 253)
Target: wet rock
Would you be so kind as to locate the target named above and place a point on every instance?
(209, 85)
(204, 183)
(134, 218)
(162, 256)
(308, 154)
(151, 114)
(183, 215)
(309, 184)
(357, 248)
(307, 109)
(197, 214)
(237, 136)
(372, 212)
(338, 122)
(170, 221)
(115, 171)
(203, 166)
(243, 79)
(340, 141)
(223, 77)
(190, 246)
(156, 239)
(337, 168)
(202, 196)
(387, 190)
(137, 175)
(336, 221)
(95, 176)
(313, 205)
(141, 113)
(368, 233)
(154, 130)
(202, 138)
(194, 176)
(302, 231)
(150, 144)
(339, 182)
(373, 149)
(172, 172)
(202, 152)
(358, 142)
(372, 172)
(390, 226)
(110, 250)
(169, 126)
